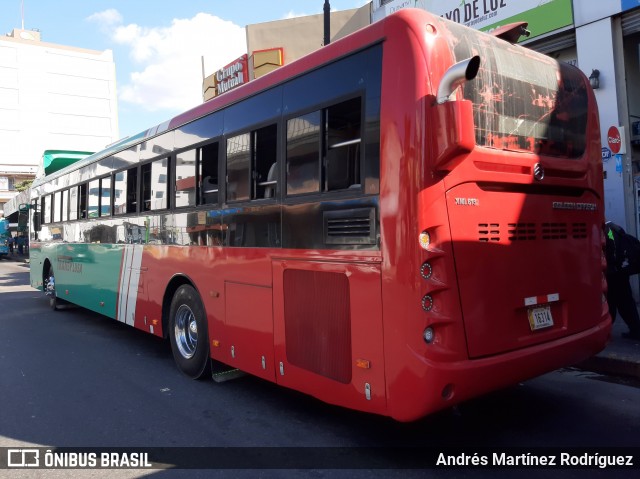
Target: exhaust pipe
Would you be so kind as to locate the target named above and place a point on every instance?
(455, 76)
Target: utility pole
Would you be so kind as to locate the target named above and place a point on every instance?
(327, 22)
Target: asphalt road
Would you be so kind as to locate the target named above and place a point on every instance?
(73, 378)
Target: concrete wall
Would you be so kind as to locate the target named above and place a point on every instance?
(303, 35)
(52, 97)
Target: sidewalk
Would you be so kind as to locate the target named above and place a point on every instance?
(17, 257)
(621, 357)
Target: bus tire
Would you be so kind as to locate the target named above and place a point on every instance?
(188, 333)
(53, 300)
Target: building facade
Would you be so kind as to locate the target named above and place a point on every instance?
(52, 97)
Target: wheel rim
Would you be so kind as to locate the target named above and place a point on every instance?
(186, 331)
(50, 291)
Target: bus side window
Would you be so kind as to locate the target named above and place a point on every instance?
(265, 150)
(146, 187)
(343, 145)
(73, 203)
(44, 204)
(105, 196)
(57, 206)
(65, 205)
(185, 179)
(94, 198)
(208, 166)
(303, 154)
(132, 189)
(154, 185)
(120, 193)
(238, 167)
(82, 201)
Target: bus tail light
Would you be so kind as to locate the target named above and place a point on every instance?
(424, 239)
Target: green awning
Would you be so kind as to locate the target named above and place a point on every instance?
(55, 160)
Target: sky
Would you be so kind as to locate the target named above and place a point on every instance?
(157, 45)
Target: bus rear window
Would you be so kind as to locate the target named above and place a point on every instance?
(523, 100)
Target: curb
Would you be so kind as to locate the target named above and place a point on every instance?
(612, 364)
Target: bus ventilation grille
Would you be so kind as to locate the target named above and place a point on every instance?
(492, 232)
(317, 322)
(350, 227)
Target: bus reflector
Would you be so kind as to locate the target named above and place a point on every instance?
(363, 363)
(427, 302)
(215, 343)
(426, 270)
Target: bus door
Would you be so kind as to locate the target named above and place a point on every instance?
(328, 331)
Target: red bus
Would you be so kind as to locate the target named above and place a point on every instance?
(400, 221)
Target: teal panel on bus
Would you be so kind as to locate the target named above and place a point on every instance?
(87, 274)
(55, 160)
(4, 236)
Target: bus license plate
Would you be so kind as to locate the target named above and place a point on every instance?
(540, 318)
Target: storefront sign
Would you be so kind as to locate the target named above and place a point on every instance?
(232, 76)
(542, 16)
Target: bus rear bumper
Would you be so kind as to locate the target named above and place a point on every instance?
(447, 384)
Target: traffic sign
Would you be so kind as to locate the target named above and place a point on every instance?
(614, 140)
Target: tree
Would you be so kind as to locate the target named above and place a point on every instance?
(23, 185)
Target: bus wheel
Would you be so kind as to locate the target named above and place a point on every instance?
(50, 289)
(188, 333)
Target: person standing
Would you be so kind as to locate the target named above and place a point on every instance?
(619, 296)
(10, 243)
(20, 241)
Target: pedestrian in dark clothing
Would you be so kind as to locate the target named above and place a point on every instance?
(20, 242)
(620, 265)
(10, 241)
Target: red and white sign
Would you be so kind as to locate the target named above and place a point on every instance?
(233, 75)
(614, 139)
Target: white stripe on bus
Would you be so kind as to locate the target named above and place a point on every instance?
(132, 260)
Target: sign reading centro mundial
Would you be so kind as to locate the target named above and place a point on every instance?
(543, 16)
